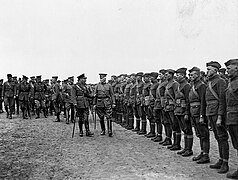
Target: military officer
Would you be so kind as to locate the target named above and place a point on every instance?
(24, 94)
(80, 94)
(104, 101)
(159, 105)
(39, 97)
(182, 113)
(8, 95)
(215, 112)
(55, 89)
(232, 106)
(32, 101)
(197, 102)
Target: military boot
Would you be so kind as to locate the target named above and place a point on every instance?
(185, 146)
(196, 158)
(167, 142)
(204, 159)
(131, 124)
(57, 117)
(174, 143)
(217, 165)
(109, 126)
(189, 151)
(152, 132)
(80, 128)
(177, 145)
(67, 117)
(45, 113)
(37, 113)
(233, 175)
(6, 108)
(137, 126)
(157, 138)
(88, 132)
(102, 127)
(143, 128)
(224, 168)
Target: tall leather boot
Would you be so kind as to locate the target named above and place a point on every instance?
(150, 130)
(57, 117)
(158, 136)
(174, 142)
(6, 109)
(102, 124)
(80, 128)
(143, 128)
(152, 134)
(177, 145)
(233, 175)
(189, 151)
(168, 132)
(225, 153)
(67, 116)
(137, 126)
(131, 124)
(185, 145)
(120, 119)
(37, 113)
(109, 127)
(88, 132)
(196, 158)
(45, 113)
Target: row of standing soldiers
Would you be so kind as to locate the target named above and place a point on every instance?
(175, 103)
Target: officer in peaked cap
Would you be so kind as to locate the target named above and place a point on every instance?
(80, 95)
(103, 102)
(232, 106)
(56, 97)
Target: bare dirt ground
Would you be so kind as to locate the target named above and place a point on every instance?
(43, 149)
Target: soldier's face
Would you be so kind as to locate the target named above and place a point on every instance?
(211, 71)
(103, 80)
(232, 70)
(193, 76)
(160, 76)
(179, 76)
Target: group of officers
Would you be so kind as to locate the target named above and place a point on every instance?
(168, 100)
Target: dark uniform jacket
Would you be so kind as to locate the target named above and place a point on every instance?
(67, 93)
(232, 102)
(24, 91)
(146, 94)
(39, 91)
(197, 99)
(103, 95)
(139, 89)
(181, 99)
(132, 99)
(80, 94)
(127, 93)
(215, 97)
(55, 89)
(153, 89)
(169, 95)
(9, 89)
(160, 100)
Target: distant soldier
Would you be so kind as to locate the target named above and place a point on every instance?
(232, 106)
(138, 102)
(159, 105)
(24, 94)
(47, 96)
(182, 113)
(16, 101)
(1, 101)
(126, 102)
(32, 101)
(55, 89)
(80, 95)
(8, 95)
(113, 82)
(215, 112)
(39, 97)
(197, 101)
(103, 103)
(223, 75)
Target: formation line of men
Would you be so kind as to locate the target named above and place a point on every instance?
(169, 100)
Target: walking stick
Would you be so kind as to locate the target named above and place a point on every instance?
(74, 122)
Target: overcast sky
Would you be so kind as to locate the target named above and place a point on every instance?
(71, 37)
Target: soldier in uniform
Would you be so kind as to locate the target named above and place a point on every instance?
(145, 103)
(55, 89)
(113, 82)
(8, 95)
(103, 103)
(182, 113)
(39, 97)
(47, 96)
(126, 102)
(117, 92)
(159, 105)
(123, 99)
(138, 102)
(1, 85)
(32, 101)
(197, 101)
(24, 94)
(16, 100)
(223, 75)
(232, 106)
(171, 125)
(80, 94)
(150, 109)
(215, 112)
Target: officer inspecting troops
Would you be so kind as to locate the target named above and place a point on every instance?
(80, 94)
(103, 102)
(8, 95)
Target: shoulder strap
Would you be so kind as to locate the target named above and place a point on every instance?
(195, 92)
(212, 91)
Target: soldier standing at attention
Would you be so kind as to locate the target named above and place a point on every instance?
(138, 107)
(172, 125)
(182, 113)
(32, 101)
(232, 106)
(39, 96)
(80, 94)
(24, 94)
(55, 89)
(1, 85)
(150, 109)
(215, 112)
(103, 103)
(16, 100)
(197, 101)
(8, 95)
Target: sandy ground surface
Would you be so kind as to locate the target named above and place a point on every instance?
(43, 149)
